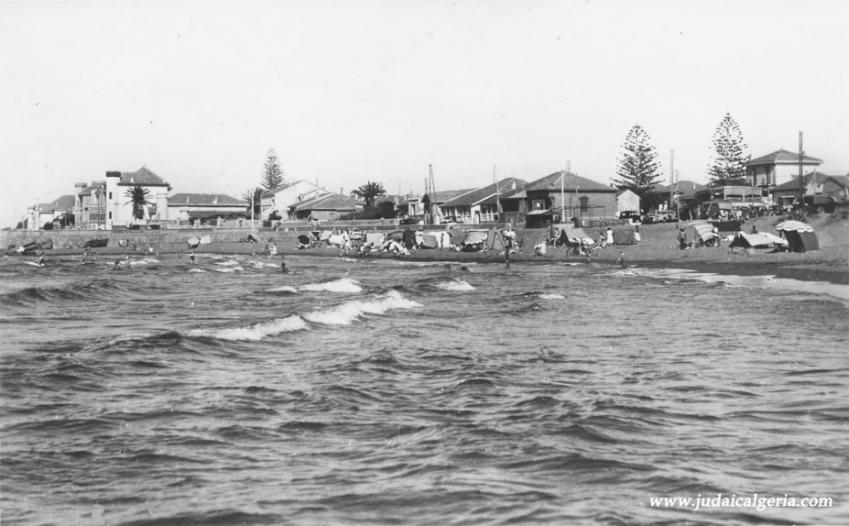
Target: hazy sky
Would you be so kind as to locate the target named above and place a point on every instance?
(349, 91)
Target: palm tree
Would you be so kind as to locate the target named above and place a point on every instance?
(369, 191)
(138, 197)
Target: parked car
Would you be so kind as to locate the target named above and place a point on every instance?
(631, 215)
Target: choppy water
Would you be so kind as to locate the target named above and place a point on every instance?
(385, 392)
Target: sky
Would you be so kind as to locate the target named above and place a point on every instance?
(363, 90)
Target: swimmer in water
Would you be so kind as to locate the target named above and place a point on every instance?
(621, 260)
(283, 265)
(192, 258)
(41, 262)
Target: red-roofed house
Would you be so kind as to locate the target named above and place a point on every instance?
(119, 208)
(777, 168)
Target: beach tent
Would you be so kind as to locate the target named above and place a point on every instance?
(193, 242)
(205, 240)
(304, 241)
(397, 235)
(800, 236)
(700, 231)
(623, 236)
(96, 243)
(759, 240)
(430, 241)
(409, 239)
(457, 237)
(494, 241)
(474, 240)
(571, 236)
(374, 237)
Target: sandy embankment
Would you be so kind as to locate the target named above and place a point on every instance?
(658, 248)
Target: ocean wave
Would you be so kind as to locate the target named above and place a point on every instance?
(343, 314)
(346, 313)
(255, 332)
(71, 292)
(229, 269)
(766, 281)
(455, 285)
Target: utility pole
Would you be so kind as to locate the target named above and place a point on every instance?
(671, 177)
(498, 209)
(801, 174)
(678, 200)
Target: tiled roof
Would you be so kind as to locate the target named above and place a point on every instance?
(329, 202)
(571, 182)
(842, 180)
(793, 184)
(445, 195)
(782, 156)
(485, 193)
(686, 188)
(142, 176)
(204, 199)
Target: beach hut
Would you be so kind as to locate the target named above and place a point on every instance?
(800, 236)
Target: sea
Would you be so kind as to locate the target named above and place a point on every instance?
(388, 391)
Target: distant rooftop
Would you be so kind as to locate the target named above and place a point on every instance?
(782, 156)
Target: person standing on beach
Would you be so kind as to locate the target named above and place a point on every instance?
(283, 264)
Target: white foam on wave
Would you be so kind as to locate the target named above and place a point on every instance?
(196, 270)
(336, 285)
(343, 314)
(228, 263)
(346, 313)
(552, 297)
(255, 332)
(455, 285)
(229, 269)
(284, 288)
(766, 281)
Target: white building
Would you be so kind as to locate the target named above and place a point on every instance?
(207, 208)
(119, 207)
(281, 199)
(777, 168)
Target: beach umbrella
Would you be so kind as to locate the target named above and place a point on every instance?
(794, 226)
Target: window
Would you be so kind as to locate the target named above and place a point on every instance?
(110, 215)
(585, 203)
(110, 195)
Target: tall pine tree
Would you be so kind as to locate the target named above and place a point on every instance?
(272, 174)
(728, 166)
(638, 166)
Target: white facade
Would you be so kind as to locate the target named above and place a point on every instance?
(627, 201)
(281, 199)
(119, 208)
